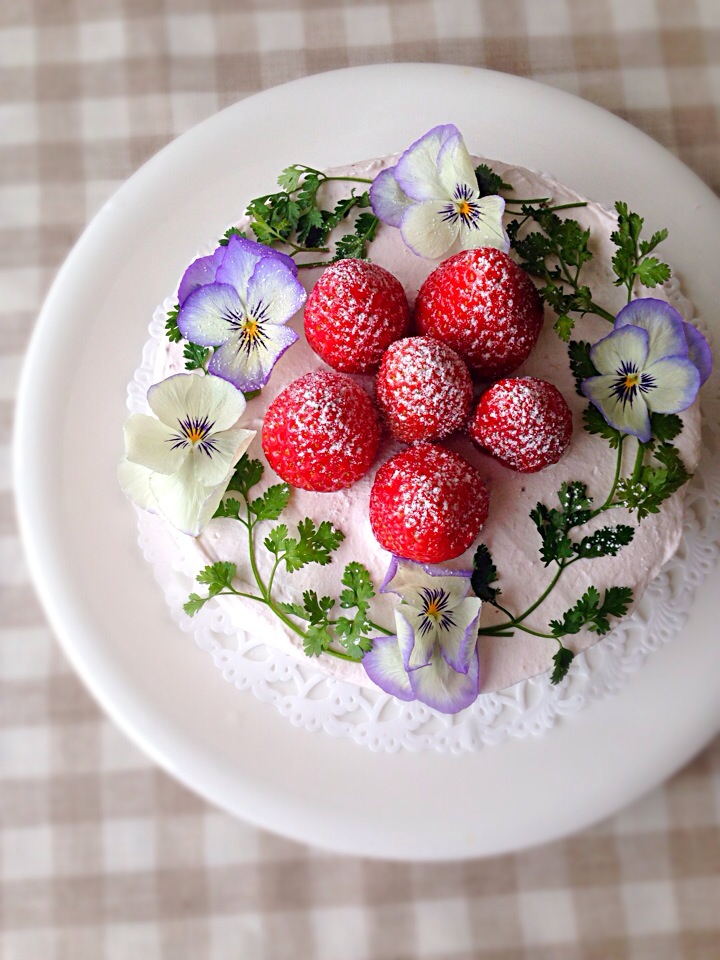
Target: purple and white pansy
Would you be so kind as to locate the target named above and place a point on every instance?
(239, 300)
(432, 196)
(433, 658)
(179, 462)
(652, 362)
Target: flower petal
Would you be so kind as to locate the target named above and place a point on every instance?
(199, 273)
(663, 324)
(441, 687)
(210, 314)
(455, 168)
(458, 643)
(153, 444)
(213, 399)
(168, 398)
(407, 579)
(383, 664)
(425, 230)
(698, 351)
(273, 293)
(213, 459)
(182, 501)
(239, 246)
(677, 381)
(416, 645)
(240, 260)
(630, 416)
(387, 199)
(250, 369)
(487, 229)
(416, 171)
(626, 345)
(135, 483)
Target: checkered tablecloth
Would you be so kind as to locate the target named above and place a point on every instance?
(103, 856)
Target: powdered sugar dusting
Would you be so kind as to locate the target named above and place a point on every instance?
(484, 306)
(354, 312)
(423, 389)
(524, 422)
(427, 504)
(322, 432)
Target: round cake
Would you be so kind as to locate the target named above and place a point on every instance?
(510, 536)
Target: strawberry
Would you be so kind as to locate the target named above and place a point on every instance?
(354, 312)
(427, 504)
(322, 432)
(423, 389)
(523, 422)
(484, 306)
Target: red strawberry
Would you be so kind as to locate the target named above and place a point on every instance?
(423, 390)
(484, 306)
(322, 432)
(427, 504)
(354, 312)
(523, 422)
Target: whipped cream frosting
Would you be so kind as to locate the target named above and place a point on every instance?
(509, 533)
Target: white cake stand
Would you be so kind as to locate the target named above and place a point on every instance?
(80, 533)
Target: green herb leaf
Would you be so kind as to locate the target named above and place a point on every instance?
(251, 394)
(272, 503)
(562, 660)
(246, 475)
(195, 356)
(228, 509)
(313, 545)
(316, 640)
(589, 612)
(665, 426)
(489, 183)
(655, 483)
(484, 574)
(172, 331)
(564, 326)
(194, 603)
(596, 424)
(554, 525)
(218, 576)
(232, 232)
(580, 363)
(631, 260)
(605, 542)
(355, 244)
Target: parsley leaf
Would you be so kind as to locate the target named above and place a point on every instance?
(596, 423)
(232, 232)
(194, 603)
(564, 326)
(591, 613)
(554, 525)
(313, 544)
(272, 503)
(218, 576)
(489, 183)
(195, 356)
(605, 542)
(484, 574)
(654, 483)
(246, 475)
(665, 426)
(581, 365)
(355, 244)
(172, 331)
(358, 593)
(631, 260)
(562, 660)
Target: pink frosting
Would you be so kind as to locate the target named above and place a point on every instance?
(509, 533)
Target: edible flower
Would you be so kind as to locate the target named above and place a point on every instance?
(238, 300)
(652, 362)
(433, 658)
(179, 462)
(432, 196)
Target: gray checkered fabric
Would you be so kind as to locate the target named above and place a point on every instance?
(104, 857)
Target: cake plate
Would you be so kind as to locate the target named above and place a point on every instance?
(80, 533)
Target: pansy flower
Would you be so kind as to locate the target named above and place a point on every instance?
(432, 196)
(433, 658)
(648, 364)
(179, 462)
(239, 301)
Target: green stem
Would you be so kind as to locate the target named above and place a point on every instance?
(348, 179)
(516, 621)
(638, 465)
(618, 469)
(376, 626)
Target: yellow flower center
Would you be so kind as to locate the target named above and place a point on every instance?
(631, 380)
(196, 433)
(251, 329)
(432, 609)
(463, 208)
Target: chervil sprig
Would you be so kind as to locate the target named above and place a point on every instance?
(312, 543)
(632, 261)
(294, 217)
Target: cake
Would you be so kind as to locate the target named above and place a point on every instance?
(545, 525)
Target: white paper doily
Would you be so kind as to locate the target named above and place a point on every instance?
(300, 691)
